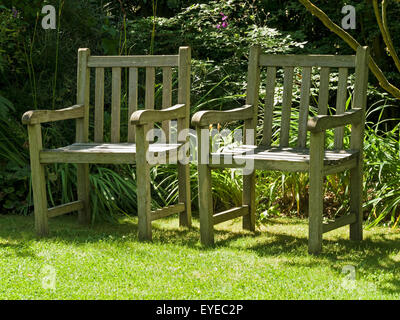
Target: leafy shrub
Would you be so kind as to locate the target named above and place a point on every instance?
(14, 169)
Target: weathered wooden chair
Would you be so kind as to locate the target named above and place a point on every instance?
(315, 160)
(83, 152)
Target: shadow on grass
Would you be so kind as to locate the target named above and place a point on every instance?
(21, 249)
(368, 256)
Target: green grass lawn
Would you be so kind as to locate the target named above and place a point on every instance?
(106, 261)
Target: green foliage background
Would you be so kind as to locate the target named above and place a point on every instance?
(38, 71)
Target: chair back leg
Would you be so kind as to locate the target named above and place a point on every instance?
(83, 186)
(143, 182)
(249, 199)
(356, 182)
(316, 192)
(185, 218)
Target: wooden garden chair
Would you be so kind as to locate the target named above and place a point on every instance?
(84, 152)
(302, 157)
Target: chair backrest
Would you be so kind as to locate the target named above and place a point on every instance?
(291, 65)
(166, 63)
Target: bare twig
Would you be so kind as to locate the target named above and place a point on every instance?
(389, 43)
(382, 23)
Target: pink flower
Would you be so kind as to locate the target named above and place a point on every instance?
(224, 23)
(14, 12)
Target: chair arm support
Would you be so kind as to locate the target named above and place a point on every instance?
(143, 117)
(204, 118)
(41, 116)
(323, 122)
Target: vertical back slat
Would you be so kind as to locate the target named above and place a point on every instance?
(360, 98)
(149, 98)
(341, 105)
(132, 101)
(167, 97)
(323, 98)
(150, 82)
(116, 105)
(269, 106)
(286, 106)
(99, 106)
(304, 105)
(185, 57)
(253, 84)
(83, 95)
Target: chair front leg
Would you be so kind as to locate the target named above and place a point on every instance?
(249, 178)
(38, 180)
(185, 218)
(356, 184)
(204, 188)
(316, 191)
(249, 198)
(206, 206)
(143, 184)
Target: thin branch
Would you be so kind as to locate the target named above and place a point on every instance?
(353, 43)
(389, 45)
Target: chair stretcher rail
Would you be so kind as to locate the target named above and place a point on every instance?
(64, 209)
(339, 222)
(167, 211)
(231, 214)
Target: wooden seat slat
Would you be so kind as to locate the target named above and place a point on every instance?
(112, 147)
(105, 153)
(331, 157)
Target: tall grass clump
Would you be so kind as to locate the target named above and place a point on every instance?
(382, 168)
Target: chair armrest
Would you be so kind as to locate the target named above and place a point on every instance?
(143, 117)
(41, 116)
(204, 118)
(323, 122)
